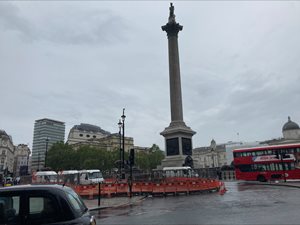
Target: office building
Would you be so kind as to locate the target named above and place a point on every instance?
(46, 133)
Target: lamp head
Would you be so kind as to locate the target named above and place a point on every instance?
(120, 124)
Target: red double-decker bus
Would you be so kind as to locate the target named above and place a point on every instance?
(267, 162)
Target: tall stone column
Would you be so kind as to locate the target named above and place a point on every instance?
(178, 137)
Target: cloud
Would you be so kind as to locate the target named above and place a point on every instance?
(85, 61)
(74, 26)
(12, 20)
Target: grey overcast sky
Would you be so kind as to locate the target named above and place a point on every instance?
(83, 61)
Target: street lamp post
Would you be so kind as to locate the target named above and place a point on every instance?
(213, 158)
(120, 148)
(123, 144)
(27, 164)
(47, 140)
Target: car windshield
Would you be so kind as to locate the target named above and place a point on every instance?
(95, 175)
(76, 201)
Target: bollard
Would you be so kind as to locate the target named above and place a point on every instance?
(99, 193)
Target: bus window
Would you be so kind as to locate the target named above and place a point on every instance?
(278, 167)
(292, 166)
(245, 168)
(272, 167)
(258, 153)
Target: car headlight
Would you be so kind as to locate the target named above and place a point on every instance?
(92, 221)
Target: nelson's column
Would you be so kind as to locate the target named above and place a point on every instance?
(178, 136)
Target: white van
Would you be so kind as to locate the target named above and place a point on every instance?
(44, 177)
(68, 176)
(90, 177)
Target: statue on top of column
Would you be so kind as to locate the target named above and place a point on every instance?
(172, 15)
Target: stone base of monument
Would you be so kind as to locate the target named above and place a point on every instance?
(174, 161)
(171, 161)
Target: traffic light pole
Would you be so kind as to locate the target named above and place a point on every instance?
(131, 164)
(123, 144)
(130, 182)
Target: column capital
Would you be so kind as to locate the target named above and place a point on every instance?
(172, 29)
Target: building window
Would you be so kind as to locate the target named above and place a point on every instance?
(94, 136)
(80, 135)
(3, 152)
(87, 135)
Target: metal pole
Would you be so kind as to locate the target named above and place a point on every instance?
(123, 144)
(130, 184)
(27, 172)
(120, 149)
(99, 193)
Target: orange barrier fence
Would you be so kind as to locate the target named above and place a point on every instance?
(158, 188)
(146, 187)
(182, 187)
(108, 189)
(137, 188)
(122, 188)
(168, 187)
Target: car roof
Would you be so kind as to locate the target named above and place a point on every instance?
(42, 173)
(66, 172)
(31, 187)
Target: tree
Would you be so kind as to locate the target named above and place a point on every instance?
(150, 160)
(60, 156)
(63, 157)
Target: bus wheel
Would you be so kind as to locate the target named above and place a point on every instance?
(261, 178)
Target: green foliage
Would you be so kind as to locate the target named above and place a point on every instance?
(63, 157)
(149, 160)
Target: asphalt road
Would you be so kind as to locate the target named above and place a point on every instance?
(242, 204)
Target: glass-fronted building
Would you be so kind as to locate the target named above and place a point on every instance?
(46, 133)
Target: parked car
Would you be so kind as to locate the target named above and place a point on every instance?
(42, 204)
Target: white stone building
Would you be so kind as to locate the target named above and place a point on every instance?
(7, 150)
(221, 154)
(291, 130)
(21, 162)
(85, 132)
(218, 155)
(213, 156)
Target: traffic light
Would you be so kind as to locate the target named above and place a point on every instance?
(131, 157)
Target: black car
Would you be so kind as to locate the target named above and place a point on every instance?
(42, 204)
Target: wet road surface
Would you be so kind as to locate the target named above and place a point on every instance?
(242, 204)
